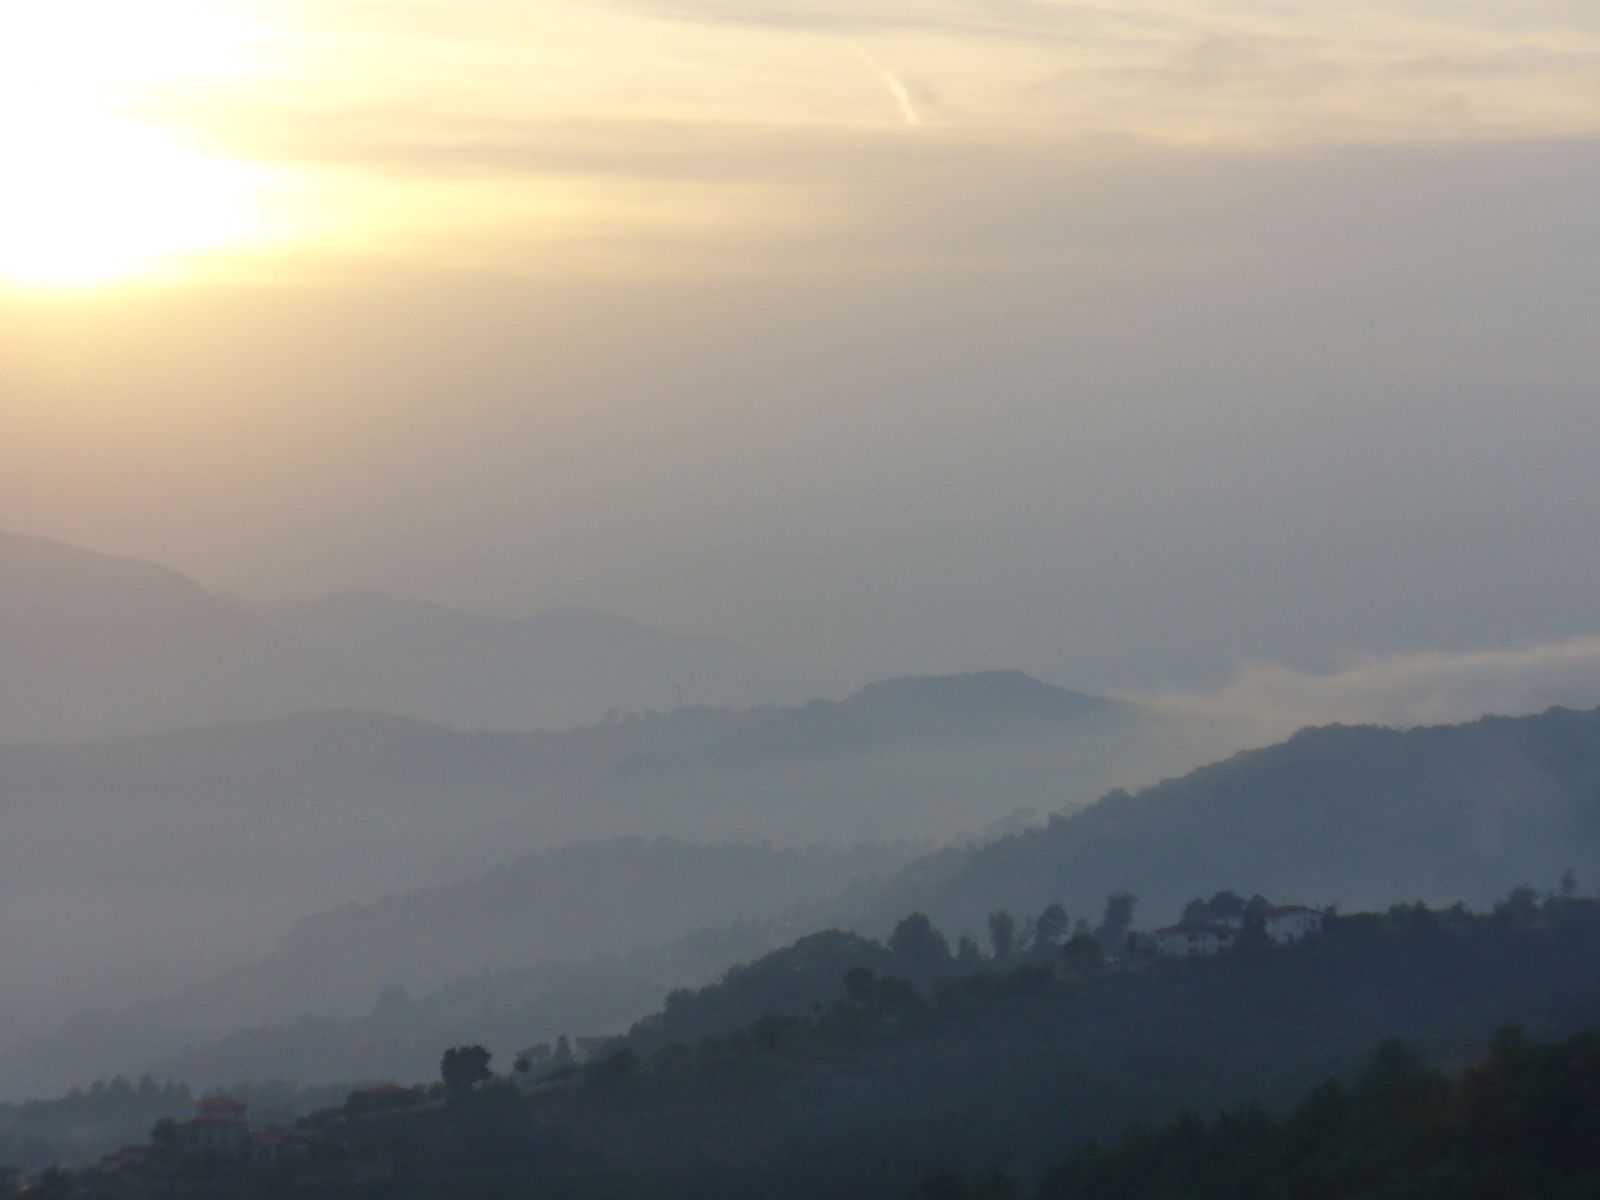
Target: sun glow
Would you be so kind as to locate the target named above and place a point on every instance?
(93, 194)
(95, 199)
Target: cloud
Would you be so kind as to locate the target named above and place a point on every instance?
(997, 18)
(411, 143)
(1266, 701)
(896, 85)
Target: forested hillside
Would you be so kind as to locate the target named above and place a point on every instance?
(1335, 814)
(1010, 1066)
(1005, 1064)
(1524, 1123)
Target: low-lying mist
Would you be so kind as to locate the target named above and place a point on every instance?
(165, 859)
(234, 876)
(1268, 701)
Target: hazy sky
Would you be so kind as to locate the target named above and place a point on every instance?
(1121, 342)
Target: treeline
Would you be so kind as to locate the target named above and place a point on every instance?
(1525, 1124)
(990, 1075)
(108, 1112)
(805, 977)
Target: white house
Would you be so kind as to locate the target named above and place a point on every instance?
(1291, 923)
(1195, 941)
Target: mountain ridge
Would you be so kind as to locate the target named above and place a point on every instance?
(102, 645)
(1331, 814)
(109, 841)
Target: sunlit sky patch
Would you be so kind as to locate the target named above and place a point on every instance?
(229, 126)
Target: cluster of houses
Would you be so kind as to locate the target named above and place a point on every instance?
(1283, 925)
(218, 1135)
(220, 1132)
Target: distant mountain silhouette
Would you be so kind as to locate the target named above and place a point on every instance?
(566, 667)
(984, 706)
(165, 856)
(93, 645)
(1358, 815)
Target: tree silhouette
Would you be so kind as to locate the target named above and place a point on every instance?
(919, 949)
(464, 1067)
(861, 985)
(1118, 919)
(1002, 934)
(1050, 929)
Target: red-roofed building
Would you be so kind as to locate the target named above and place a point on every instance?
(217, 1132)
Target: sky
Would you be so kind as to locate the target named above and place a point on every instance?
(1136, 345)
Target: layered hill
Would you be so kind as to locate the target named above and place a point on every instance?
(567, 667)
(166, 857)
(581, 938)
(1339, 813)
(96, 645)
(1345, 814)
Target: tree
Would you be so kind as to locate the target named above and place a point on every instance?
(919, 949)
(861, 985)
(164, 1136)
(613, 1072)
(1082, 952)
(771, 1030)
(1118, 919)
(531, 1059)
(1226, 906)
(1521, 907)
(1050, 928)
(383, 1097)
(893, 992)
(1025, 939)
(1002, 934)
(1195, 911)
(464, 1067)
(968, 957)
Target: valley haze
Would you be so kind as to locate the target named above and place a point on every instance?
(352, 767)
(801, 598)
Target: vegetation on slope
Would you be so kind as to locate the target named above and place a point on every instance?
(1002, 1068)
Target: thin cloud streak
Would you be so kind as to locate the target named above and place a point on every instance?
(896, 86)
(1267, 701)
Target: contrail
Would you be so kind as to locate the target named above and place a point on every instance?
(897, 88)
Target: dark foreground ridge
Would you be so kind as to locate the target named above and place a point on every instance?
(920, 1059)
(1525, 1123)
